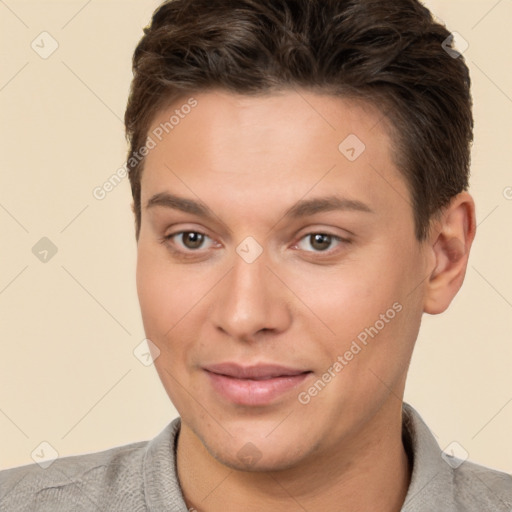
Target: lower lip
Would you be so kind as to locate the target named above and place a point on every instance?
(254, 392)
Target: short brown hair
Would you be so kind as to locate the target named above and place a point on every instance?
(391, 53)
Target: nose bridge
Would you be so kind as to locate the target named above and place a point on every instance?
(247, 279)
(251, 299)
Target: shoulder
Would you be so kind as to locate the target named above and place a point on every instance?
(478, 488)
(91, 481)
(441, 481)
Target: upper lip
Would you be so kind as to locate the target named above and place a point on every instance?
(258, 371)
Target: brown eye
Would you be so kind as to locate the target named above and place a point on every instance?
(192, 240)
(189, 244)
(320, 241)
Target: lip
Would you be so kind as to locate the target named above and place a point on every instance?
(254, 385)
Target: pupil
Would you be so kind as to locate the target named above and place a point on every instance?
(320, 241)
(193, 240)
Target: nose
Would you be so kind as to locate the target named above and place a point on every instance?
(251, 300)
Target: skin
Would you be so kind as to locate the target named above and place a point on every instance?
(299, 304)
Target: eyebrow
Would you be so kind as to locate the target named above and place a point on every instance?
(301, 208)
(306, 207)
(179, 203)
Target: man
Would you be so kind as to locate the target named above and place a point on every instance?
(299, 171)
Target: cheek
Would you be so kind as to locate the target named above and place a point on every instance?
(345, 299)
(151, 289)
(162, 305)
(362, 309)
(159, 292)
(171, 304)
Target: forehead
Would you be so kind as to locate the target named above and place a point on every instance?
(292, 115)
(274, 147)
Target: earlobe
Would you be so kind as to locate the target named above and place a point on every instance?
(450, 246)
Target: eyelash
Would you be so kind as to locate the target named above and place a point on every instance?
(191, 253)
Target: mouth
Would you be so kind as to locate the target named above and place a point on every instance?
(254, 385)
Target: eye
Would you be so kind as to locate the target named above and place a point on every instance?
(189, 240)
(320, 242)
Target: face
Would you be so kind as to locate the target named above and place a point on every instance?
(278, 273)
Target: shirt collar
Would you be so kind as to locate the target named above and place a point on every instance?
(161, 486)
(431, 486)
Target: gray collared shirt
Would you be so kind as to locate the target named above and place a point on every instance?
(141, 477)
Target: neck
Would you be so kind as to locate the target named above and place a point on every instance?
(367, 471)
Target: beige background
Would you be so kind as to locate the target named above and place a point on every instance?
(68, 375)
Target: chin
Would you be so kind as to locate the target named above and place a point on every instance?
(258, 454)
(267, 463)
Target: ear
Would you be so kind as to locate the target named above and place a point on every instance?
(449, 245)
